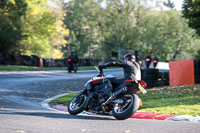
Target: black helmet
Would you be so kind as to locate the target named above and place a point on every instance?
(129, 57)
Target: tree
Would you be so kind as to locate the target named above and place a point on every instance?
(82, 22)
(167, 34)
(191, 11)
(169, 4)
(32, 27)
(43, 29)
(12, 14)
(97, 30)
(118, 26)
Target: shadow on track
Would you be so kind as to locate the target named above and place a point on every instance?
(57, 115)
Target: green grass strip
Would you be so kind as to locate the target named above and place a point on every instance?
(10, 68)
(64, 100)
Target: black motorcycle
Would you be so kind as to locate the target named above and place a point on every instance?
(72, 66)
(101, 96)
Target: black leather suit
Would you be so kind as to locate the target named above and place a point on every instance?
(130, 70)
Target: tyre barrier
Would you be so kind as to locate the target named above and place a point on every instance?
(155, 78)
(150, 76)
(197, 71)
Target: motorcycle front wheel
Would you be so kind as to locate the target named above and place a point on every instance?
(126, 109)
(77, 104)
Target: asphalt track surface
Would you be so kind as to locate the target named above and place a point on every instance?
(21, 95)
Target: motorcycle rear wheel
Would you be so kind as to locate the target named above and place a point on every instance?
(77, 104)
(126, 109)
(69, 70)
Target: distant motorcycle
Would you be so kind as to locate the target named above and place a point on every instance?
(72, 66)
(101, 96)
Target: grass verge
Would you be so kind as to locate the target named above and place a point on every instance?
(64, 100)
(10, 68)
(179, 100)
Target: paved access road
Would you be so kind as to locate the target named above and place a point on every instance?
(21, 95)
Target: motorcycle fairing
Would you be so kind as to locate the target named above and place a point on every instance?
(97, 80)
(126, 81)
(143, 83)
(94, 80)
(129, 82)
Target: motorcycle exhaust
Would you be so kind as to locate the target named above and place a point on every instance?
(120, 91)
(114, 95)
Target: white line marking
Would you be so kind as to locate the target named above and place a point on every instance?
(45, 103)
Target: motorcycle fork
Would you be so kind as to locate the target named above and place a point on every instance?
(89, 95)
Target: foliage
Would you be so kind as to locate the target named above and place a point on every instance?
(119, 26)
(43, 30)
(169, 4)
(98, 27)
(96, 30)
(166, 34)
(191, 11)
(82, 22)
(31, 27)
(12, 14)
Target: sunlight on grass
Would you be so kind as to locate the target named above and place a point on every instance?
(179, 100)
(64, 100)
(176, 110)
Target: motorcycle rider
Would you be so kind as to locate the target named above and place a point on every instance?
(73, 56)
(130, 67)
(131, 72)
(74, 59)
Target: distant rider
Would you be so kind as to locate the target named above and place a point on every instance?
(74, 57)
